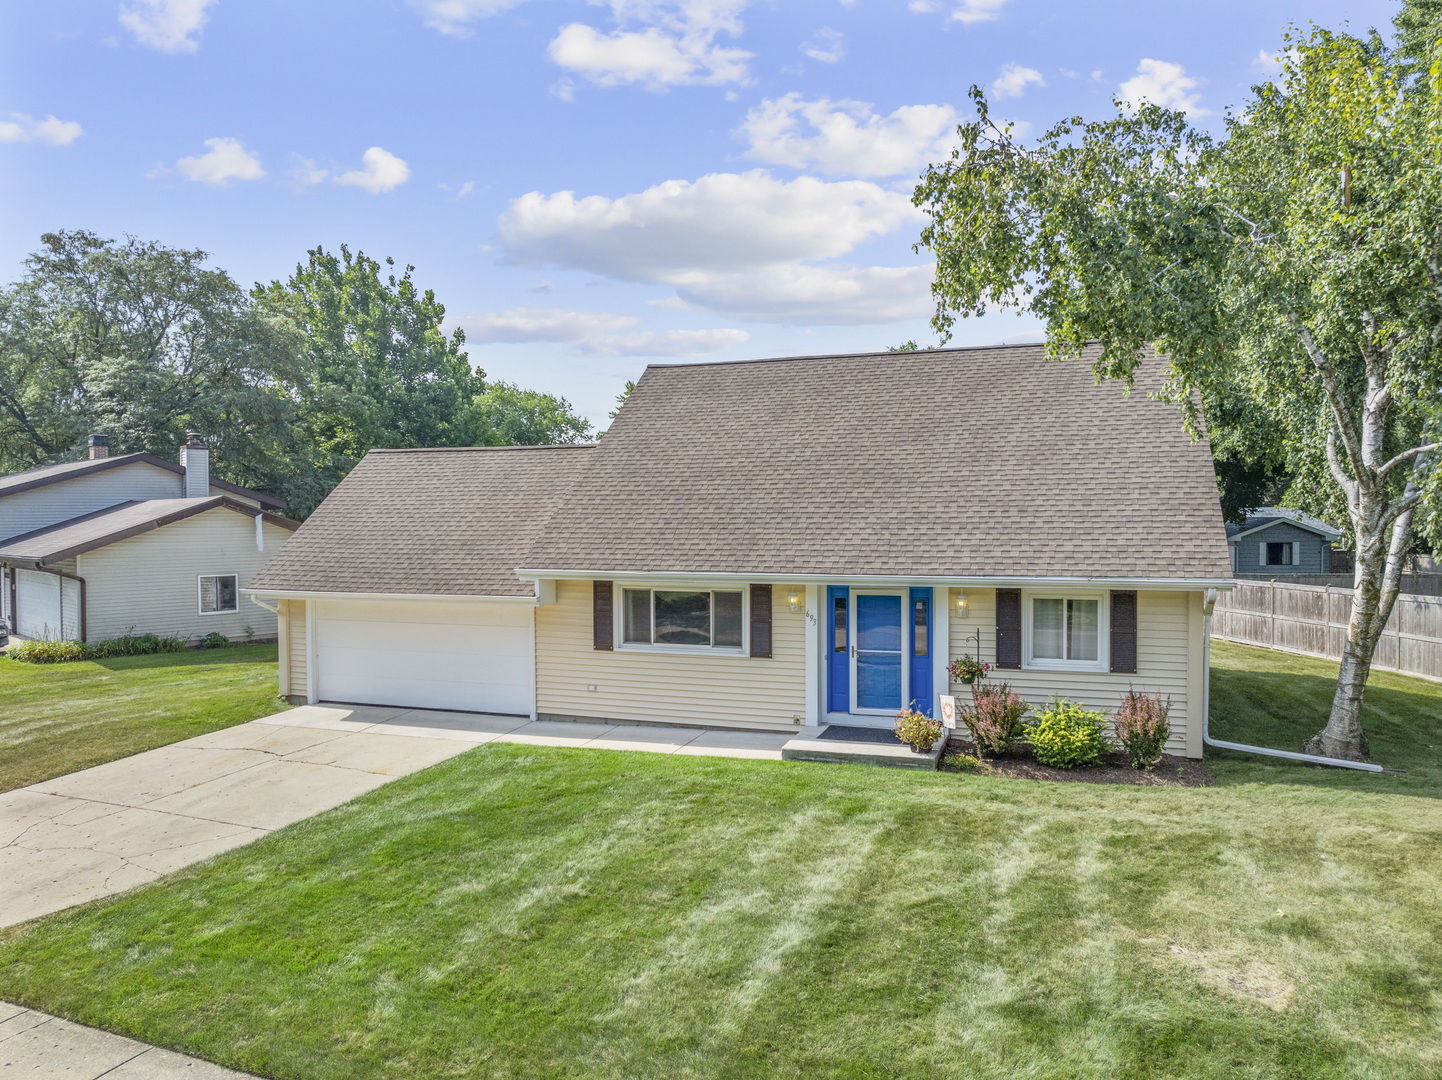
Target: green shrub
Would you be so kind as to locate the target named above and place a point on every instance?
(994, 717)
(46, 652)
(1064, 735)
(61, 652)
(1142, 728)
(917, 729)
(961, 762)
(214, 641)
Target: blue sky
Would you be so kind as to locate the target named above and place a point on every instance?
(588, 187)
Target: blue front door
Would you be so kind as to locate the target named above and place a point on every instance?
(880, 653)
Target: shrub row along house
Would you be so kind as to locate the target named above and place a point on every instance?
(775, 543)
(134, 543)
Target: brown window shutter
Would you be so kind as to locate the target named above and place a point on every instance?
(1008, 628)
(602, 607)
(760, 620)
(1124, 631)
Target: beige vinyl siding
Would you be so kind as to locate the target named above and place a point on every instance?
(40, 507)
(150, 582)
(293, 650)
(1169, 655)
(676, 688)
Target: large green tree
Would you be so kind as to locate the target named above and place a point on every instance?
(143, 342)
(381, 372)
(1291, 271)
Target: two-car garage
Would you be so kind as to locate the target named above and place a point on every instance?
(475, 656)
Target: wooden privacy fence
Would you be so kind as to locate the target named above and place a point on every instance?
(1312, 619)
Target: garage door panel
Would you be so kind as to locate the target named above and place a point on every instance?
(475, 657)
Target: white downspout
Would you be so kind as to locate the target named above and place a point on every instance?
(1208, 603)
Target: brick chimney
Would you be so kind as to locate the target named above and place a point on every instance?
(195, 460)
(99, 447)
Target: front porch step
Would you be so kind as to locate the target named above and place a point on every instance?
(809, 746)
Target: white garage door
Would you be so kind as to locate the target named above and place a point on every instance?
(476, 657)
(48, 606)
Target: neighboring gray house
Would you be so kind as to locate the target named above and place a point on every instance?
(99, 548)
(1276, 541)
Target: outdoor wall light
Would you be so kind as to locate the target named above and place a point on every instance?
(793, 598)
(961, 600)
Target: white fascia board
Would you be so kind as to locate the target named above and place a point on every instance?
(959, 582)
(1329, 534)
(430, 598)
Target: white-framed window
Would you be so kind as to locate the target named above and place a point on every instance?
(1064, 631)
(1285, 553)
(683, 618)
(219, 594)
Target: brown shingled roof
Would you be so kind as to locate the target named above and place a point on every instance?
(958, 462)
(449, 522)
(66, 539)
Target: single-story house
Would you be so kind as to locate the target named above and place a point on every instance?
(775, 543)
(1275, 541)
(99, 548)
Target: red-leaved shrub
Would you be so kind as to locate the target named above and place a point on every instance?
(994, 717)
(1142, 728)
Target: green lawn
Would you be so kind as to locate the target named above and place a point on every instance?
(57, 718)
(529, 912)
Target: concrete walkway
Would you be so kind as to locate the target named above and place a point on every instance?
(107, 829)
(41, 1047)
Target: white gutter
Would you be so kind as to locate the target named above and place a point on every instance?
(1222, 744)
(956, 581)
(300, 594)
(264, 606)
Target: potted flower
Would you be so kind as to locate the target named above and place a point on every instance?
(967, 670)
(918, 730)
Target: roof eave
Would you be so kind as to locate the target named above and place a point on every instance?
(1187, 584)
(338, 594)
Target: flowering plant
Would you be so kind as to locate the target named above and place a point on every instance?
(918, 729)
(966, 670)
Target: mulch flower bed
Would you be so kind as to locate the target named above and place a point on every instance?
(1114, 769)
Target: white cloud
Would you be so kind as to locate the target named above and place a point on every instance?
(659, 44)
(826, 45)
(815, 295)
(382, 172)
(966, 13)
(305, 172)
(172, 26)
(1271, 63)
(50, 131)
(226, 160)
(664, 343)
(594, 333)
(1165, 84)
(466, 189)
(454, 17)
(721, 222)
(848, 137)
(540, 324)
(1014, 79)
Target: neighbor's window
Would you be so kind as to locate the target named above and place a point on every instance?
(1065, 629)
(1279, 554)
(218, 593)
(709, 619)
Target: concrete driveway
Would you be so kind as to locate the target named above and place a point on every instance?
(107, 829)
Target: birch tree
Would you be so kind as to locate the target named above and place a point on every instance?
(1290, 270)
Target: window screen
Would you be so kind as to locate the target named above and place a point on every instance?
(1064, 629)
(218, 593)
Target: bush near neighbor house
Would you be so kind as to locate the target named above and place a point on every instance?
(1142, 728)
(1064, 735)
(62, 652)
(214, 641)
(994, 717)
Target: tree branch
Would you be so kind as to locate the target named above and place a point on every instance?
(1404, 455)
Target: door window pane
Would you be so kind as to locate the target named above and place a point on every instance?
(1081, 629)
(683, 618)
(727, 607)
(636, 606)
(838, 625)
(1046, 629)
(918, 627)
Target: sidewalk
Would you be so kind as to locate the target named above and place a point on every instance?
(39, 1047)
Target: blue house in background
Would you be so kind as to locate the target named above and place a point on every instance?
(1276, 541)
